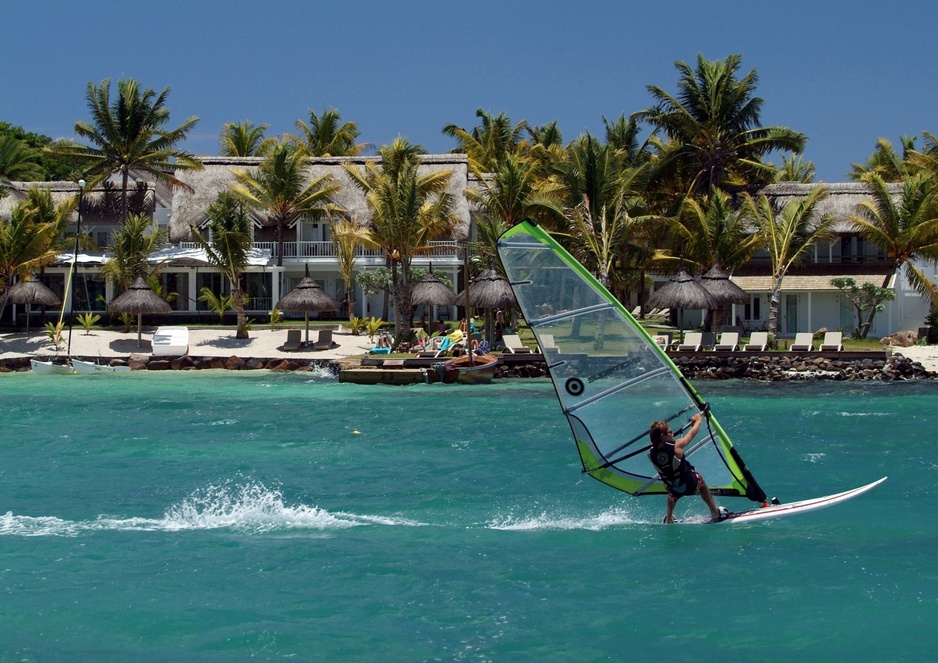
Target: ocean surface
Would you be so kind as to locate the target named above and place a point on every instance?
(228, 516)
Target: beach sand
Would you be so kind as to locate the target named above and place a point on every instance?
(263, 343)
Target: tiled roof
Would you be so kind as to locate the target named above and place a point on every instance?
(804, 283)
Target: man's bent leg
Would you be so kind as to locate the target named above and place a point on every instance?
(705, 495)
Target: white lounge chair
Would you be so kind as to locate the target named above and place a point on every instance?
(548, 344)
(757, 342)
(833, 342)
(170, 341)
(513, 344)
(692, 342)
(728, 342)
(804, 342)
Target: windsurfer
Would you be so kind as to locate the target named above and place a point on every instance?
(678, 475)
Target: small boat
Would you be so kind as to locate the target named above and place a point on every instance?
(55, 367)
(481, 370)
(90, 368)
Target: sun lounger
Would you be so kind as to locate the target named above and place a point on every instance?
(728, 342)
(691, 342)
(513, 344)
(757, 342)
(438, 345)
(294, 340)
(170, 341)
(325, 340)
(833, 342)
(547, 344)
(804, 342)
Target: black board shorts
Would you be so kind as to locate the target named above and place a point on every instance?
(689, 487)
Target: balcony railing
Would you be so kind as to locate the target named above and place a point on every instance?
(304, 250)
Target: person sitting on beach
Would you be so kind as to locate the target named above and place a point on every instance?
(679, 476)
(384, 341)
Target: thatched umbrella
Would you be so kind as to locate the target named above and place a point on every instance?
(431, 291)
(717, 283)
(307, 296)
(489, 290)
(682, 292)
(33, 293)
(139, 298)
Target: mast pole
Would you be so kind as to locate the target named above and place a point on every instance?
(71, 276)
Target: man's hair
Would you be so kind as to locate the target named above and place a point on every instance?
(656, 430)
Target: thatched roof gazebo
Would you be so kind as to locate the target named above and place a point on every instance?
(139, 298)
(682, 292)
(32, 293)
(307, 296)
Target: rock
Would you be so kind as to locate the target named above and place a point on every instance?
(902, 339)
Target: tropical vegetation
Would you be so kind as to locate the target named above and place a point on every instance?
(676, 185)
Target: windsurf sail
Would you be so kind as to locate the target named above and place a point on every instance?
(611, 378)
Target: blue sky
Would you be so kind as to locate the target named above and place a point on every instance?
(844, 73)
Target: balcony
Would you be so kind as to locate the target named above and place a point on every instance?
(305, 251)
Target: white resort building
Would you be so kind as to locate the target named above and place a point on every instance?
(808, 300)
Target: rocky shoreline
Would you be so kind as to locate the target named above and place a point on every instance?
(698, 366)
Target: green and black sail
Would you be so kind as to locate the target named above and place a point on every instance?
(611, 378)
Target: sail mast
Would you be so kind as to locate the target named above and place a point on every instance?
(71, 275)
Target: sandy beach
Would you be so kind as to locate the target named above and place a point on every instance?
(264, 343)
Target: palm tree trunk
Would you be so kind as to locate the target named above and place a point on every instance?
(774, 301)
(124, 181)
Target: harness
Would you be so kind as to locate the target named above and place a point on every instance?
(674, 471)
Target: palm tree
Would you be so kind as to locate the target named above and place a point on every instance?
(488, 144)
(906, 229)
(327, 136)
(18, 161)
(885, 161)
(131, 246)
(229, 247)
(409, 210)
(713, 123)
(348, 236)
(244, 139)
(795, 169)
(788, 235)
(127, 134)
(281, 192)
(28, 240)
(711, 231)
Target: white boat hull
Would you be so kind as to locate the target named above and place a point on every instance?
(90, 368)
(50, 368)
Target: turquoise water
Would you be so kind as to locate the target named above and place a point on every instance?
(225, 516)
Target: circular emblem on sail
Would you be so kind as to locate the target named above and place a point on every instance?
(574, 386)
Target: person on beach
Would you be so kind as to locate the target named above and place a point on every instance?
(679, 476)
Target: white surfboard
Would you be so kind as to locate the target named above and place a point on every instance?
(790, 509)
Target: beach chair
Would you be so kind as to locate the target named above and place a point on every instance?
(439, 345)
(691, 343)
(728, 342)
(833, 342)
(757, 342)
(324, 342)
(547, 344)
(514, 345)
(294, 340)
(804, 342)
